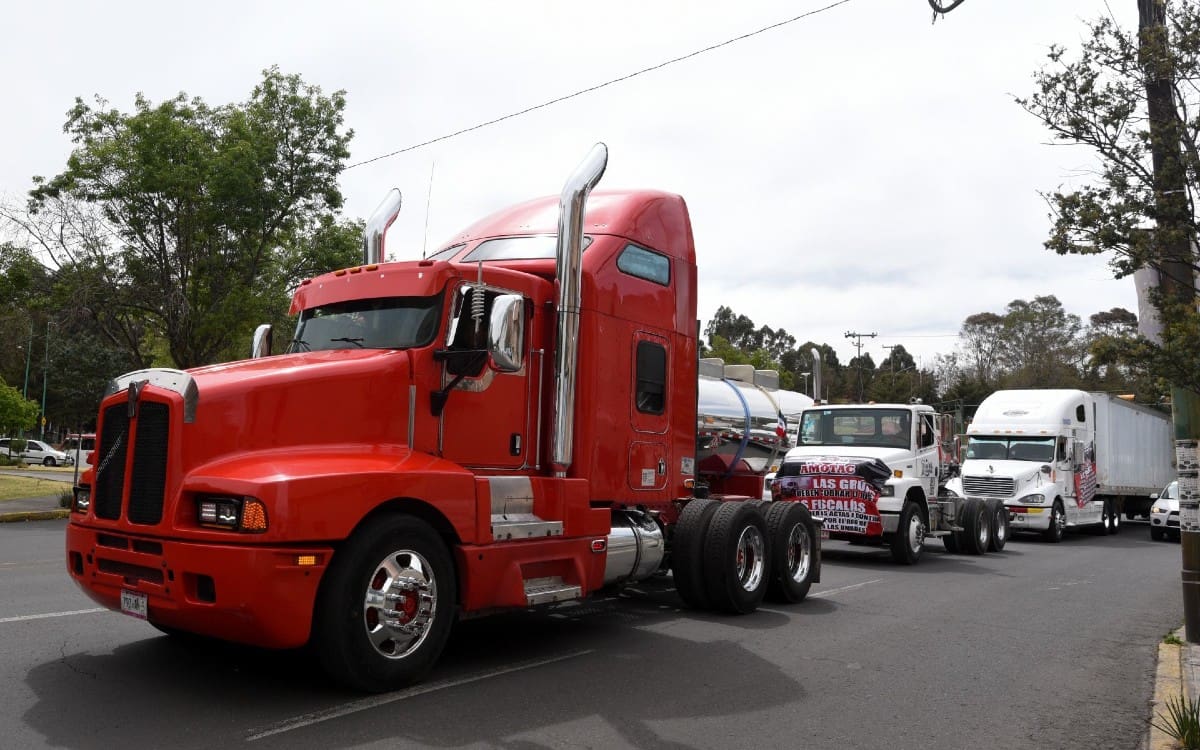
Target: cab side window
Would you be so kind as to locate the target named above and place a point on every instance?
(926, 436)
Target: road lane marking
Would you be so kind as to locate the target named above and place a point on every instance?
(840, 589)
(55, 561)
(336, 712)
(24, 618)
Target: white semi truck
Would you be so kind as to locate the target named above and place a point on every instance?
(1062, 458)
(874, 473)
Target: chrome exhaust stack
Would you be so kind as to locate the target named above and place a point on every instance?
(569, 253)
(377, 226)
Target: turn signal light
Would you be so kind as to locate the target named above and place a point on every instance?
(307, 560)
(254, 516)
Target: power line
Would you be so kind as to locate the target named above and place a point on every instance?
(598, 86)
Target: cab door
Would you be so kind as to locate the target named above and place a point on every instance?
(485, 421)
(648, 456)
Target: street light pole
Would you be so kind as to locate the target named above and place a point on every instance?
(805, 376)
(45, 376)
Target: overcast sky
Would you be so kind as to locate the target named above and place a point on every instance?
(858, 170)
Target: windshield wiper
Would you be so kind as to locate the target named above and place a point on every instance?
(298, 345)
(356, 341)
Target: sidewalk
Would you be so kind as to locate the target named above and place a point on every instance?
(1178, 674)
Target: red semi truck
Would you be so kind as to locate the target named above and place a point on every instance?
(509, 423)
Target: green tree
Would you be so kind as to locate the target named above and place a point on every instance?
(211, 208)
(1098, 98)
(16, 412)
(1040, 344)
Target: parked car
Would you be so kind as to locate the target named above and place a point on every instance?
(1164, 513)
(36, 452)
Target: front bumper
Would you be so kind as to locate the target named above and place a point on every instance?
(248, 594)
(1030, 518)
(1169, 521)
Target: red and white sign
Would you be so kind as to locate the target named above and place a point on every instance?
(847, 503)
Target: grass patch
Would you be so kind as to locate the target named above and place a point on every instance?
(1181, 721)
(14, 487)
(1172, 639)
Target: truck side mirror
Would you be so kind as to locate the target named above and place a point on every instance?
(260, 346)
(506, 333)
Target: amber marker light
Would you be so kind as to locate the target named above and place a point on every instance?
(306, 561)
(254, 515)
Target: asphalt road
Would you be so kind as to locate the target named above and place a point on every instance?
(1042, 646)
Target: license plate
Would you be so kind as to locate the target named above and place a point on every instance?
(133, 603)
(1018, 517)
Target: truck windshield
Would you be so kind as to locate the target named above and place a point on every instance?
(1013, 449)
(379, 323)
(884, 428)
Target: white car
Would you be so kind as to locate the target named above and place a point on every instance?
(37, 452)
(1164, 513)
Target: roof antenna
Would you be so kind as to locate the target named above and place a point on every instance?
(428, 200)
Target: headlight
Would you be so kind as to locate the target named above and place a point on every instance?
(83, 500)
(888, 491)
(1157, 509)
(231, 513)
(1034, 499)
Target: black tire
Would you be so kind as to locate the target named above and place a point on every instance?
(1157, 534)
(909, 540)
(998, 518)
(737, 558)
(794, 558)
(977, 529)
(950, 542)
(48, 461)
(1114, 519)
(1058, 523)
(687, 547)
(398, 556)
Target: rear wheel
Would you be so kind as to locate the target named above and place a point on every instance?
(386, 605)
(792, 534)
(1114, 519)
(686, 548)
(1058, 524)
(998, 518)
(736, 558)
(977, 528)
(909, 541)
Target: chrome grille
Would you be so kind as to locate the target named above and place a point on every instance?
(992, 486)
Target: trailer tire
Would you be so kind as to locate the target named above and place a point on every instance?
(687, 547)
(737, 558)
(909, 539)
(977, 529)
(1058, 523)
(998, 518)
(399, 556)
(792, 534)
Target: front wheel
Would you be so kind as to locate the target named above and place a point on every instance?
(1058, 524)
(793, 537)
(386, 605)
(909, 541)
(736, 558)
(48, 461)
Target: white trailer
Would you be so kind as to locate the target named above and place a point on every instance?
(1060, 458)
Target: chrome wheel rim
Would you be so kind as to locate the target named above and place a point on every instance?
(984, 530)
(1001, 526)
(400, 604)
(1059, 521)
(750, 564)
(799, 553)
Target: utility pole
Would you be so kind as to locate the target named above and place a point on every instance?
(858, 344)
(45, 377)
(1171, 254)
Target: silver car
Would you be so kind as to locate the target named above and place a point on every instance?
(37, 452)
(1164, 513)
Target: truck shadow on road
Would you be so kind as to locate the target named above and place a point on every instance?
(628, 668)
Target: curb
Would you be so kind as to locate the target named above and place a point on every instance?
(1168, 682)
(33, 515)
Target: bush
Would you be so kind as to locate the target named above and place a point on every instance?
(65, 497)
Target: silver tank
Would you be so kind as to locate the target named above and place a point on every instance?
(635, 547)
